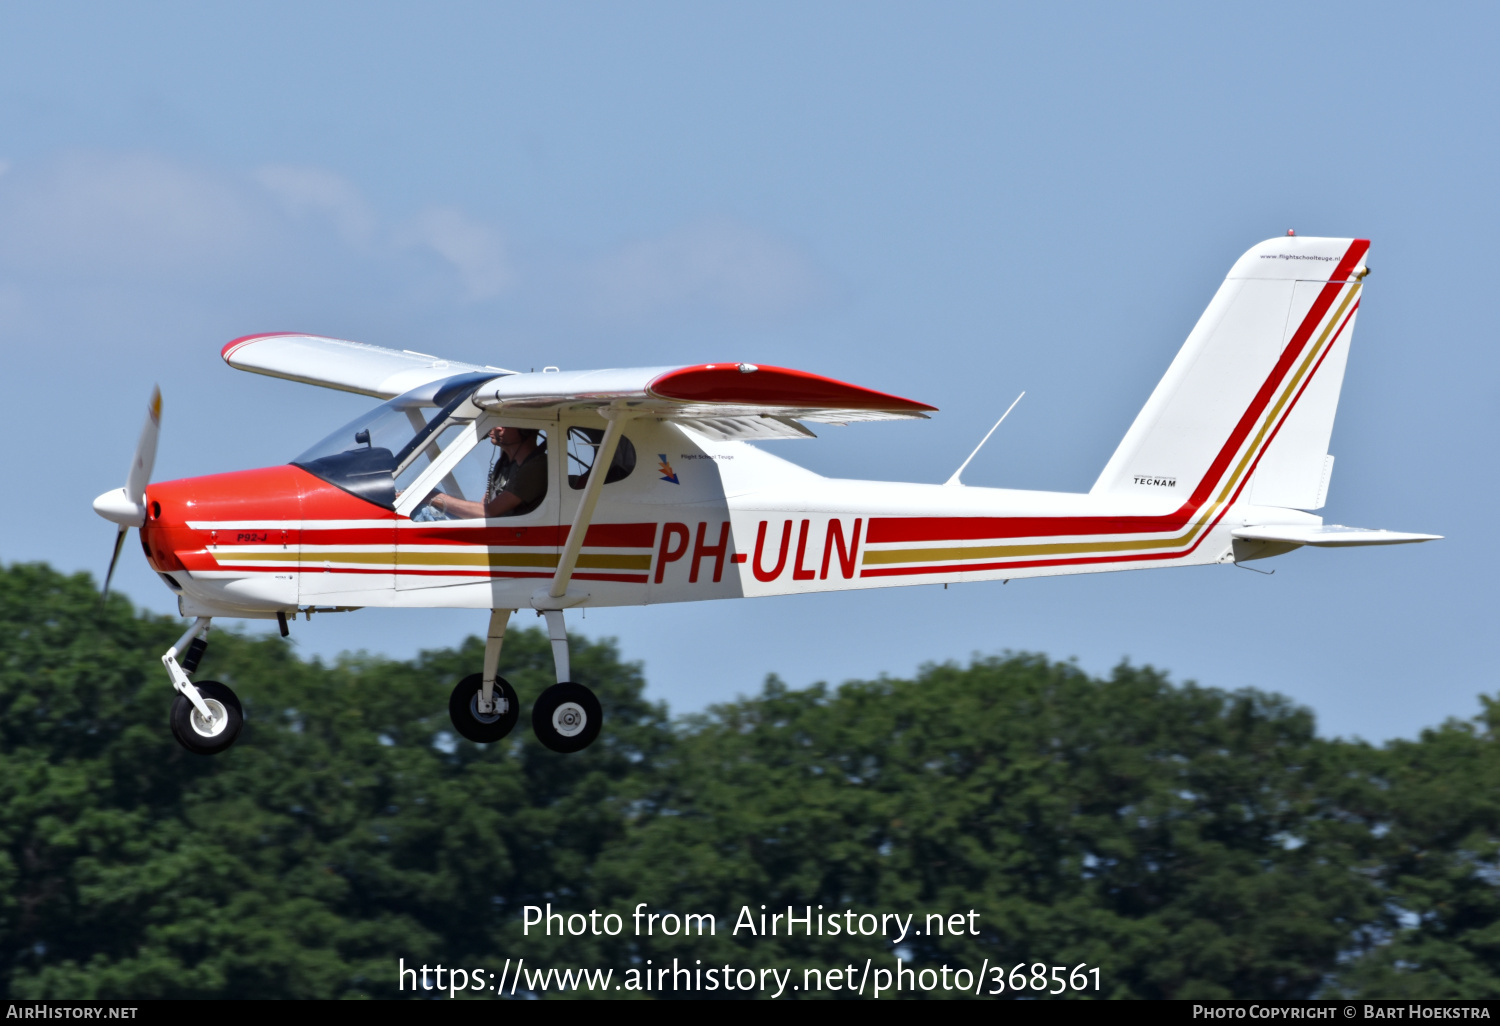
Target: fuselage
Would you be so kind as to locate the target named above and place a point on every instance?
(695, 519)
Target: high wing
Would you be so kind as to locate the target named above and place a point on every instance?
(721, 400)
(341, 364)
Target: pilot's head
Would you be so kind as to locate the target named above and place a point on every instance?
(511, 439)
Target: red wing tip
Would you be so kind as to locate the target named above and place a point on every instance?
(801, 388)
(245, 340)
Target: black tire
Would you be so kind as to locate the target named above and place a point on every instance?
(463, 710)
(567, 717)
(187, 725)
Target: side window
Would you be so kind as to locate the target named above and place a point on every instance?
(583, 447)
(470, 491)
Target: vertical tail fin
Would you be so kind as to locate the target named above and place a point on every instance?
(1252, 394)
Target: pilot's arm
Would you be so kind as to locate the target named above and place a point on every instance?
(467, 509)
(525, 487)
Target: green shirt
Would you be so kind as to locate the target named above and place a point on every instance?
(526, 480)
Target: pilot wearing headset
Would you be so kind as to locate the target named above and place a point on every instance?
(517, 483)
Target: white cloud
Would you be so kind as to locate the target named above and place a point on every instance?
(136, 212)
(474, 250)
(143, 221)
(716, 265)
(314, 190)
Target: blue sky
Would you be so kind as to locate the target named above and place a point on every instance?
(950, 202)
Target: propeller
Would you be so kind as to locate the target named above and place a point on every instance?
(126, 506)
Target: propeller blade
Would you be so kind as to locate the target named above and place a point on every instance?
(145, 451)
(126, 506)
(119, 541)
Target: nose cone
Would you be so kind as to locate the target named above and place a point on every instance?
(116, 507)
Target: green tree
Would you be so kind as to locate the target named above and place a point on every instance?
(347, 827)
(1189, 842)
(1178, 837)
(1436, 804)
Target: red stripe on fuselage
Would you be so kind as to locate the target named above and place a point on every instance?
(476, 574)
(961, 568)
(604, 536)
(937, 529)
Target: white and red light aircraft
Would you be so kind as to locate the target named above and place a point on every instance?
(1221, 465)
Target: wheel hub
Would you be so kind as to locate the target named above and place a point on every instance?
(569, 719)
(213, 727)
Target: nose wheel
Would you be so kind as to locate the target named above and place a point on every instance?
(211, 734)
(206, 717)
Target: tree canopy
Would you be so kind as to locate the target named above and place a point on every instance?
(1192, 842)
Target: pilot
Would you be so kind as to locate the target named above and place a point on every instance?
(517, 484)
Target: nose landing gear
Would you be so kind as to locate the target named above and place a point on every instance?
(206, 717)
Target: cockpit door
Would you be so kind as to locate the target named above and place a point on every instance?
(501, 560)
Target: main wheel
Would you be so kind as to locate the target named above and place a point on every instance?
(463, 710)
(567, 717)
(207, 737)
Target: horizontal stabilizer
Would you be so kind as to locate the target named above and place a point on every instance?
(338, 363)
(1330, 535)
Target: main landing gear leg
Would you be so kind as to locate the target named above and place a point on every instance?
(484, 707)
(499, 619)
(567, 716)
(557, 633)
(206, 717)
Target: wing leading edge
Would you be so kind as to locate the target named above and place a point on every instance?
(341, 364)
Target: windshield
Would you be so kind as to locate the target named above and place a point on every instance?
(365, 456)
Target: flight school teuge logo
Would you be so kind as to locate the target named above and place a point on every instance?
(667, 473)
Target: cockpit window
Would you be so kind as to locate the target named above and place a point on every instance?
(364, 456)
(583, 448)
